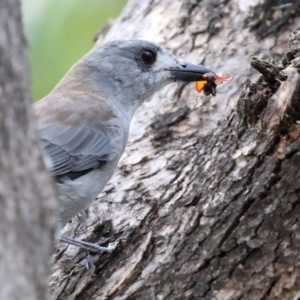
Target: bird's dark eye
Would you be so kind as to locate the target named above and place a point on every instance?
(148, 57)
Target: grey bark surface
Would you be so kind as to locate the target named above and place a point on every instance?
(27, 202)
(205, 202)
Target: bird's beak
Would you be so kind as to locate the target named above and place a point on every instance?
(189, 72)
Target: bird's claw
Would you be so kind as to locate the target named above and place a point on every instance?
(89, 246)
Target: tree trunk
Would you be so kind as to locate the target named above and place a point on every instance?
(27, 202)
(205, 202)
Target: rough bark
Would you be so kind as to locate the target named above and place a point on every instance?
(27, 202)
(206, 200)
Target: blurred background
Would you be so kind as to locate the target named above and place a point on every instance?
(59, 33)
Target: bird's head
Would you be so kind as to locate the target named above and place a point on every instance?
(131, 71)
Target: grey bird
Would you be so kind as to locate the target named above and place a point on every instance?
(83, 124)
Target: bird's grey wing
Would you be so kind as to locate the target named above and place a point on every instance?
(74, 150)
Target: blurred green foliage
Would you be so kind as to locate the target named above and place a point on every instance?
(59, 32)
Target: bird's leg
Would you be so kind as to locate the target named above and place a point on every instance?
(88, 246)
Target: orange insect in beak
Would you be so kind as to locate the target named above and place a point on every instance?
(200, 85)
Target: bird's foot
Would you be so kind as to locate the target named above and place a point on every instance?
(88, 246)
